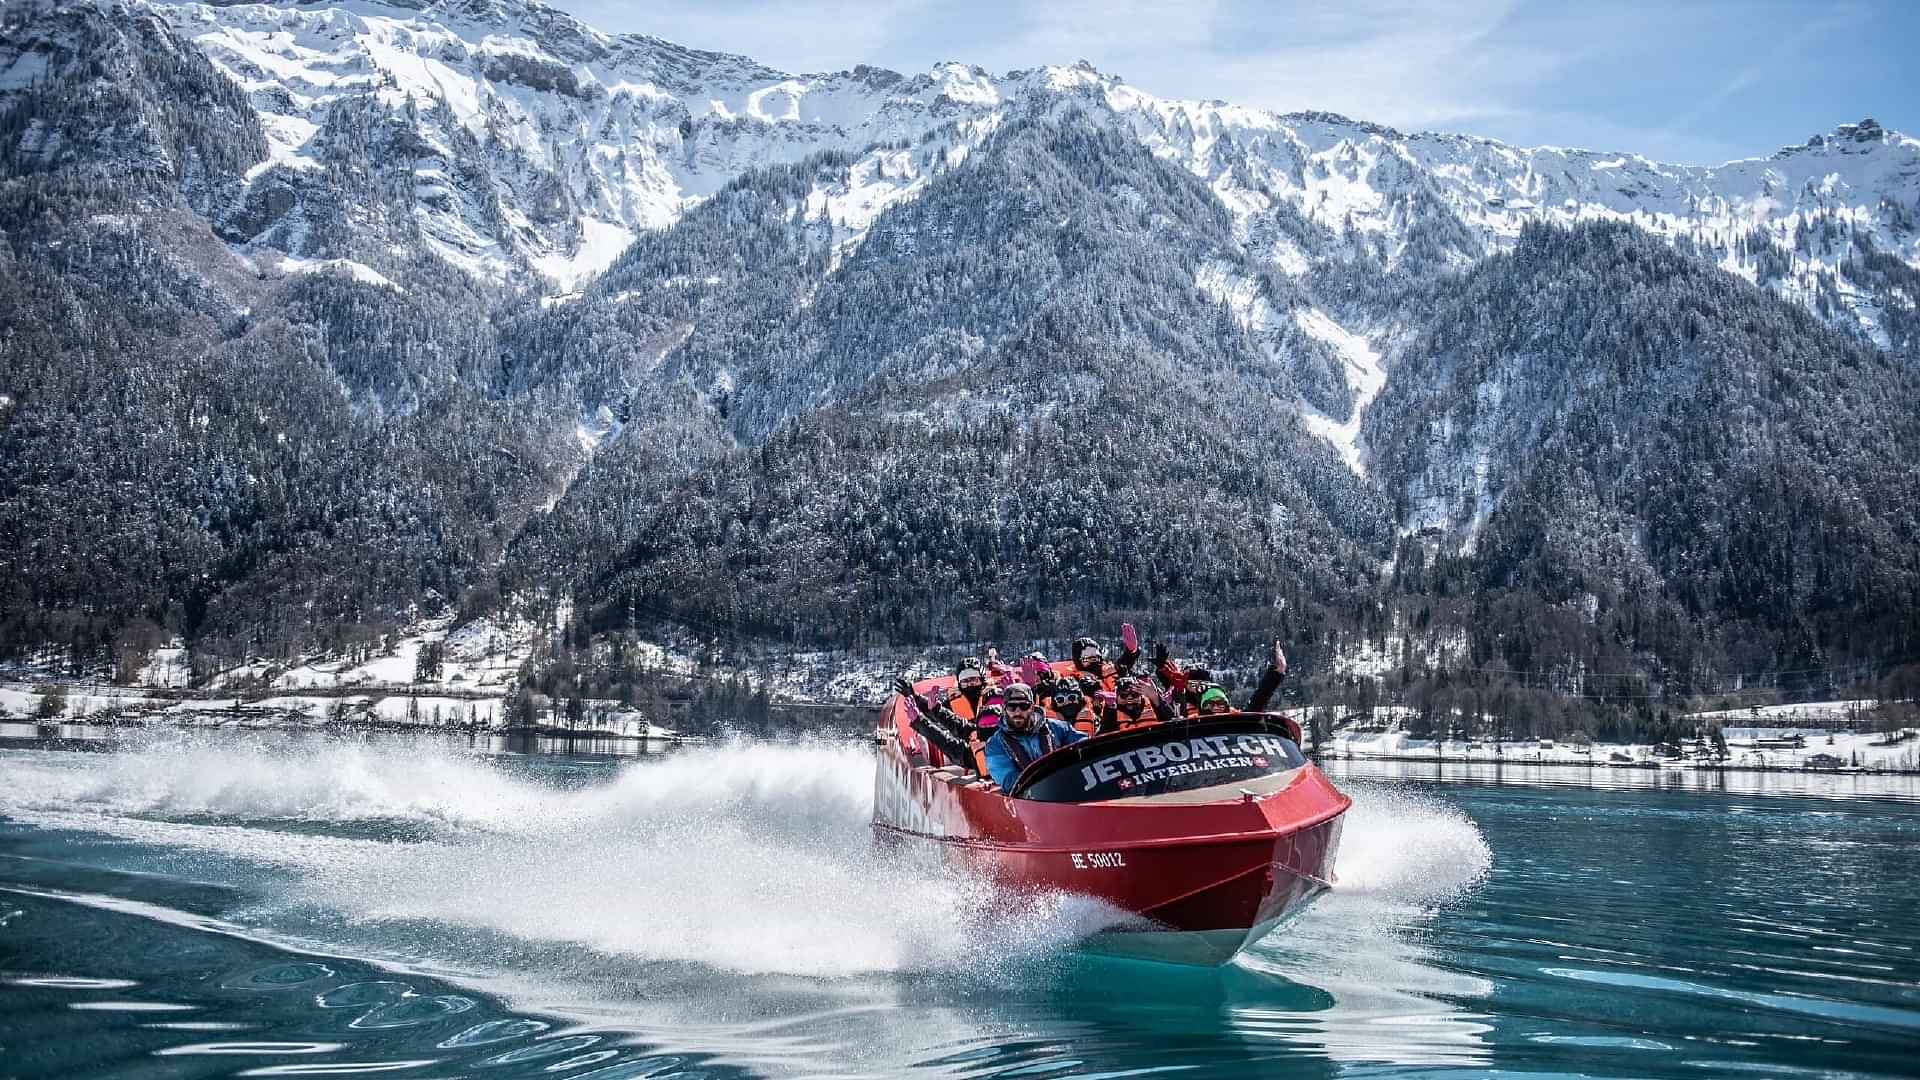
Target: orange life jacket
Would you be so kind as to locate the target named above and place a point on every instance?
(1107, 673)
(1123, 722)
(1086, 721)
(961, 707)
(964, 709)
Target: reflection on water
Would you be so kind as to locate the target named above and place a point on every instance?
(1819, 785)
(264, 906)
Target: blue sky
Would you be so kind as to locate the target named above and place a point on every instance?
(1694, 81)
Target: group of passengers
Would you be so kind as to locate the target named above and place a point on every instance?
(1000, 717)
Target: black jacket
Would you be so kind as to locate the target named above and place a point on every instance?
(1263, 694)
(946, 730)
(952, 745)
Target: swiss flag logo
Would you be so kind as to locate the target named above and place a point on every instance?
(1126, 782)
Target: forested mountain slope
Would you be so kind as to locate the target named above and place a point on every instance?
(1711, 478)
(321, 318)
(192, 443)
(1011, 406)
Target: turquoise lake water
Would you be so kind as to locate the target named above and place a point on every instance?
(234, 905)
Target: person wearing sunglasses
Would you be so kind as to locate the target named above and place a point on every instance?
(1090, 659)
(1070, 699)
(1024, 736)
(1129, 703)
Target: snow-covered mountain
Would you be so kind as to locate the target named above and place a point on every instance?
(535, 143)
(405, 305)
(525, 142)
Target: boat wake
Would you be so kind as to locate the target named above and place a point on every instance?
(1403, 856)
(744, 857)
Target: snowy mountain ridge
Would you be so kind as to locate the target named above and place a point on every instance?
(536, 144)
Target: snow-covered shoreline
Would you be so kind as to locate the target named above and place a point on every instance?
(459, 679)
(1750, 750)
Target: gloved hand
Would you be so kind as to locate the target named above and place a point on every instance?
(940, 695)
(1160, 654)
(1129, 640)
(1034, 669)
(993, 654)
(904, 687)
(1279, 658)
(1089, 685)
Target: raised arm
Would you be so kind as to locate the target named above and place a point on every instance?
(1269, 679)
(999, 671)
(1157, 700)
(1165, 670)
(937, 724)
(1129, 650)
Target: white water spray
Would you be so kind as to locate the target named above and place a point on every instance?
(746, 857)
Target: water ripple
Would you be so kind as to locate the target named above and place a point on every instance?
(291, 976)
(338, 1068)
(565, 1044)
(251, 1048)
(494, 1031)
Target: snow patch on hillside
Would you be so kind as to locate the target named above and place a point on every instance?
(601, 242)
(481, 656)
(847, 209)
(23, 71)
(1243, 296)
(168, 667)
(1365, 376)
(1223, 283)
(593, 431)
(357, 271)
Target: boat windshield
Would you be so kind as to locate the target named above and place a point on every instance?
(1162, 758)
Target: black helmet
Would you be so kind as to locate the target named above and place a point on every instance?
(1081, 645)
(1067, 700)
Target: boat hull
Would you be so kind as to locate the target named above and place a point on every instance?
(1195, 877)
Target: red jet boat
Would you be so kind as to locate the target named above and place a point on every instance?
(1211, 832)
